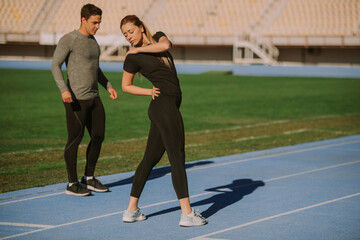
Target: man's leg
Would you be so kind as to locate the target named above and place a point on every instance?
(95, 124)
(75, 119)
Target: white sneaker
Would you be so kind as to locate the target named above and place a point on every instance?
(191, 220)
(133, 216)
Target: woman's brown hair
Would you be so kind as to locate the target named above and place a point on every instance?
(164, 56)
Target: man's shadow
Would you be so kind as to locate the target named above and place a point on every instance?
(157, 173)
(228, 195)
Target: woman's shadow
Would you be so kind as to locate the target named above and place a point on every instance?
(228, 195)
(157, 173)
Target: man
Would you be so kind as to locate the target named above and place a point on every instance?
(80, 52)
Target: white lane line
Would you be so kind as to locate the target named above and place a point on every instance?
(213, 239)
(250, 138)
(174, 200)
(31, 198)
(25, 225)
(238, 127)
(296, 131)
(276, 216)
(312, 171)
(62, 148)
(284, 133)
(143, 138)
(80, 221)
(61, 225)
(194, 145)
(228, 163)
(106, 157)
(187, 134)
(277, 154)
(279, 178)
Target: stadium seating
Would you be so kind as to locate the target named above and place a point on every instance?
(17, 16)
(67, 17)
(318, 18)
(252, 31)
(192, 18)
(208, 17)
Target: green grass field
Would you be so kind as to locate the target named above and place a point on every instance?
(223, 114)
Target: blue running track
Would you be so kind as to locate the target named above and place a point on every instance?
(307, 191)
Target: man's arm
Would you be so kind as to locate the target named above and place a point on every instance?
(107, 85)
(62, 51)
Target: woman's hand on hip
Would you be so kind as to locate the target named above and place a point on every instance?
(155, 92)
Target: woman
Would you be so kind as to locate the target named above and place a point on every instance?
(149, 57)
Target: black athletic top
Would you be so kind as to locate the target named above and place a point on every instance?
(150, 66)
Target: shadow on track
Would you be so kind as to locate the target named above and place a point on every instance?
(157, 173)
(228, 195)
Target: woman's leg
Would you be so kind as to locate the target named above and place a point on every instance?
(153, 153)
(185, 206)
(167, 117)
(133, 204)
(174, 144)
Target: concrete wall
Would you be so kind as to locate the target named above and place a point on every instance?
(26, 50)
(212, 53)
(350, 55)
(311, 55)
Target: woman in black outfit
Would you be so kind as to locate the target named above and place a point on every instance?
(149, 57)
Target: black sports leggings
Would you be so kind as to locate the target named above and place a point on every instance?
(166, 133)
(81, 114)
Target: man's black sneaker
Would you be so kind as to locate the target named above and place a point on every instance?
(76, 189)
(94, 185)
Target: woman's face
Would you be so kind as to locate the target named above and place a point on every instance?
(133, 33)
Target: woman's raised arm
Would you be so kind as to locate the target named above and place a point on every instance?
(161, 46)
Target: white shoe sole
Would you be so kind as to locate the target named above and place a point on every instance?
(67, 192)
(96, 189)
(130, 220)
(191, 224)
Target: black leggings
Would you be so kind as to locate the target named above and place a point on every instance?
(81, 114)
(166, 133)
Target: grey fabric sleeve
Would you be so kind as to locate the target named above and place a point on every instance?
(61, 54)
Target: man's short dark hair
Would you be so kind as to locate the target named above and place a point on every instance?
(88, 10)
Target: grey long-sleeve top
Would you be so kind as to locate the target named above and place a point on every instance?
(81, 55)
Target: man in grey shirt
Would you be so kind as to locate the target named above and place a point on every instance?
(80, 52)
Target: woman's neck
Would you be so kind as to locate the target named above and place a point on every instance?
(145, 41)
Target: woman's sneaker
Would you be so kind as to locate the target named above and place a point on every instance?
(77, 189)
(191, 220)
(133, 216)
(94, 185)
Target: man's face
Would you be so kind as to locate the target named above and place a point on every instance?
(92, 24)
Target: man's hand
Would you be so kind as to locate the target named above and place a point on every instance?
(66, 96)
(113, 93)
